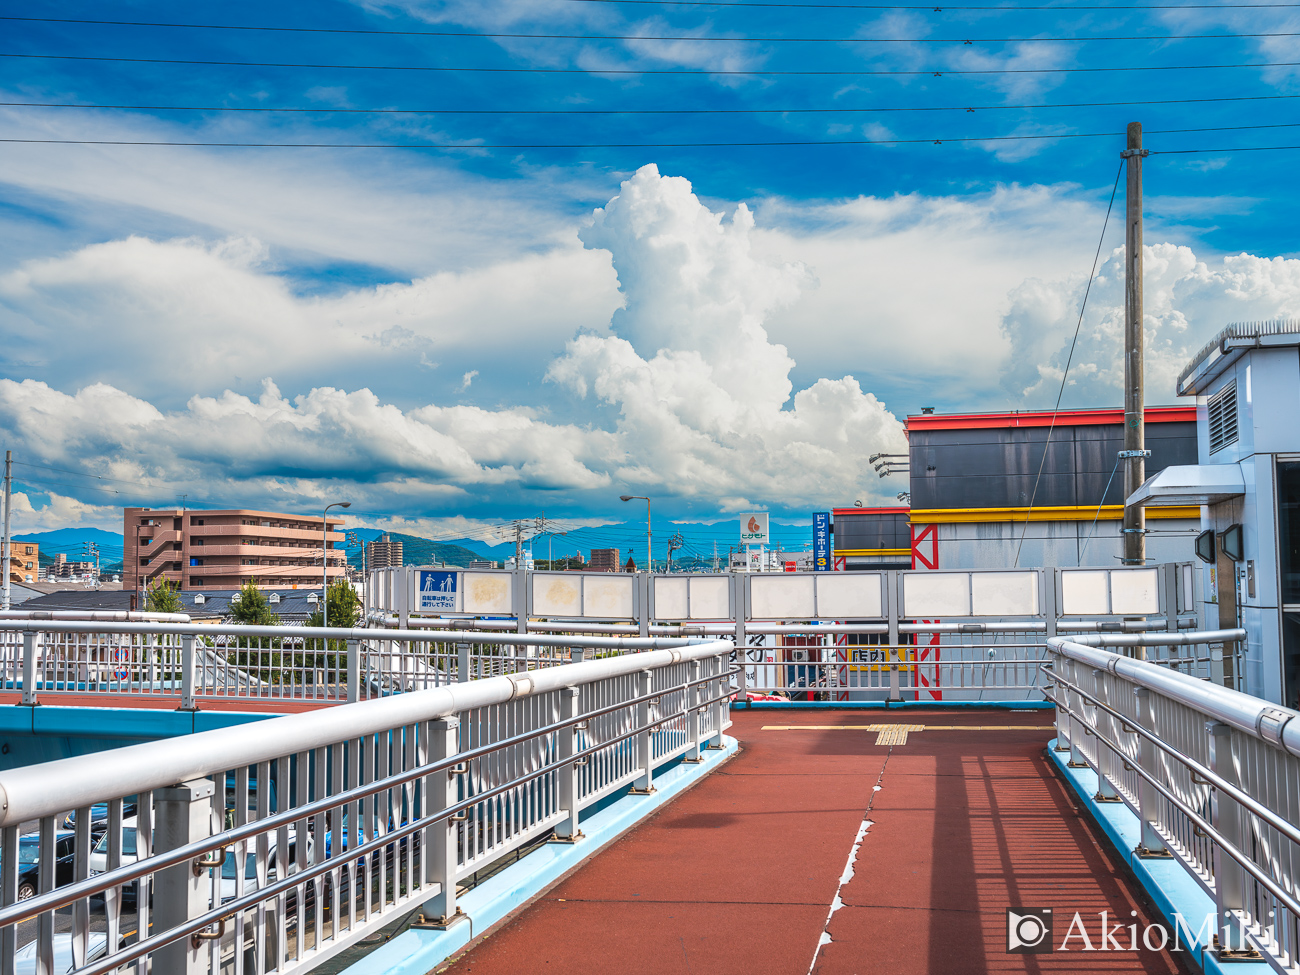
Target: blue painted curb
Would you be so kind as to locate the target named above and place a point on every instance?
(417, 951)
(97, 722)
(1170, 887)
(888, 705)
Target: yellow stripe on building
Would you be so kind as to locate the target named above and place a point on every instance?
(1109, 512)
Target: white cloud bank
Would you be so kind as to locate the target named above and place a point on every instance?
(703, 400)
(1186, 301)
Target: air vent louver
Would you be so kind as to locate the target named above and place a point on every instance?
(1223, 417)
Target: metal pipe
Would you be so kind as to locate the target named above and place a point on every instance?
(343, 633)
(1261, 719)
(104, 615)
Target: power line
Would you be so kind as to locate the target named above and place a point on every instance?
(702, 72)
(642, 111)
(501, 35)
(634, 145)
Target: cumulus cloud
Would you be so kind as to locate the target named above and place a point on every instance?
(164, 319)
(698, 402)
(699, 388)
(52, 510)
(1186, 301)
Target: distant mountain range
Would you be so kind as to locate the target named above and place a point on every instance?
(416, 550)
(72, 543)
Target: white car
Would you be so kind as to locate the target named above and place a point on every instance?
(25, 957)
(99, 861)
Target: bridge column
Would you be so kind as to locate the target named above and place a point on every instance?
(441, 910)
(183, 815)
(1106, 757)
(645, 740)
(567, 830)
(1229, 877)
(1150, 845)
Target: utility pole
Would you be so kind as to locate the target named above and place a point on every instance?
(8, 542)
(1134, 532)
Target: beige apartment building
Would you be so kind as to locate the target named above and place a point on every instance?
(223, 549)
(24, 562)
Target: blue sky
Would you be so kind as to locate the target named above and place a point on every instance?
(456, 337)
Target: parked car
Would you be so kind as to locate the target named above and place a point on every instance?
(25, 957)
(99, 855)
(99, 816)
(29, 853)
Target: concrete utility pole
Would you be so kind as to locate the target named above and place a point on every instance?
(1135, 546)
(8, 542)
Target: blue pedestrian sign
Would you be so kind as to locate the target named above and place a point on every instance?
(437, 592)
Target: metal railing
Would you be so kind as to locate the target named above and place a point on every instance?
(195, 662)
(273, 846)
(1213, 776)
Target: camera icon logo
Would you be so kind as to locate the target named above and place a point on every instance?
(1029, 932)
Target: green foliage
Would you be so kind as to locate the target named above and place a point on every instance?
(163, 597)
(253, 609)
(344, 607)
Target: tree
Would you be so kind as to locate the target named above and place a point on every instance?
(252, 607)
(344, 607)
(163, 597)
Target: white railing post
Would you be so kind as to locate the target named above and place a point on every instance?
(1151, 845)
(567, 830)
(187, 672)
(1106, 758)
(31, 646)
(645, 740)
(462, 663)
(693, 698)
(354, 670)
(1076, 718)
(716, 687)
(183, 814)
(442, 910)
(740, 602)
(1229, 877)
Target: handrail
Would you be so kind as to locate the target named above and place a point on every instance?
(53, 787)
(345, 633)
(1262, 719)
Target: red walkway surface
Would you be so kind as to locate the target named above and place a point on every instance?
(739, 874)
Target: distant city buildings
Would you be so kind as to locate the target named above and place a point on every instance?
(61, 568)
(603, 560)
(221, 550)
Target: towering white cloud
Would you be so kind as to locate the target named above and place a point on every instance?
(699, 388)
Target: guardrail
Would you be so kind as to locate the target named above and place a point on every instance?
(273, 846)
(196, 662)
(1213, 776)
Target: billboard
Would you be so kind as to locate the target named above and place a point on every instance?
(821, 541)
(437, 592)
(753, 528)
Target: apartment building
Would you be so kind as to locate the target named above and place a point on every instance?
(221, 550)
(24, 562)
(384, 553)
(603, 560)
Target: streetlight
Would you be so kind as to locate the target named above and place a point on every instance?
(325, 561)
(649, 562)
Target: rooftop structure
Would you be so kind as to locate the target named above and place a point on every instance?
(215, 550)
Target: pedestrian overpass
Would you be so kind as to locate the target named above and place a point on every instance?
(599, 793)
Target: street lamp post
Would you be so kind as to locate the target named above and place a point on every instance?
(325, 561)
(649, 561)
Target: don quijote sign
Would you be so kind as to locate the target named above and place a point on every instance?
(754, 529)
